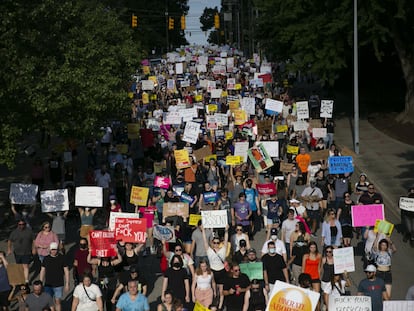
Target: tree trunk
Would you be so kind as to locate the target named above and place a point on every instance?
(407, 65)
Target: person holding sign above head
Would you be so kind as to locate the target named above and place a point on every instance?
(382, 252)
(86, 217)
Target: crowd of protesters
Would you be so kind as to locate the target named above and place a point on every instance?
(305, 218)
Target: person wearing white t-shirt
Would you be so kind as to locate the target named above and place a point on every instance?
(288, 226)
(87, 296)
(280, 246)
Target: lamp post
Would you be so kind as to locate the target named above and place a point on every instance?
(356, 90)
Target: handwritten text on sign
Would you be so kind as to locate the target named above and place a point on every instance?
(175, 209)
(340, 165)
(139, 196)
(366, 215)
(214, 219)
(132, 230)
(114, 215)
(349, 302)
(407, 204)
(23, 193)
(89, 196)
(103, 243)
(54, 200)
(344, 260)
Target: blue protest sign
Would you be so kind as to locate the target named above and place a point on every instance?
(340, 165)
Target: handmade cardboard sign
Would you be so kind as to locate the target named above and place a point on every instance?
(54, 200)
(214, 219)
(131, 230)
(344, 260)
(23, 193)
(175, 209)
(102, 243)
(366, 215)
(139, 196)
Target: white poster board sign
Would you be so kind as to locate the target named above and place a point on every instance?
(147, 85)
(222, 119)
(272, 148)
(274, 105)
(284, 296)
(201, 68)
(319, 132)
(115, 215)
(345, 302)
(300, 125)
(211, 85)
(173, 117)
(212, 123)
(179, 68)
(326, 108)
(398, 305)
(216, 93)
(188, 114)
(302, 110)
(407, 204)
(240, 149)
(214, 219)
(248, 104)
(89, 196)
(202, 60)
(191, 132)
(54, 200)
(23, 193)
(344, 259)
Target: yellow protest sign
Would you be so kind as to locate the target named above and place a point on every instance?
(146, 70)
(153, 79)
(383, 226)
(133, 130)
(139, 196)
(210, 157)
(198, 98)
(237, 86)
(145, 98)
(199, 307)
(212, 108)
(240, 117)
(158, 166)
(193, 220)
(153, 97)
(234, 160)
(224, 94)
(234, 105)
(182, 158)
(292, 149)
(281, 128)
(122, 148)
(229, 135)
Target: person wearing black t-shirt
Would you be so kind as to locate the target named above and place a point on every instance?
(234, 289)
(274, 267)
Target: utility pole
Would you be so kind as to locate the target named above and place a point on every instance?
(166, 25)
(356, 84)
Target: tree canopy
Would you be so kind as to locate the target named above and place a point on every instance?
(66, 65)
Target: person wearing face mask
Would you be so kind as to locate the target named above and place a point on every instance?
(24, 214)
(80, 262)
(256, 297)
(279, 245)
(176, 279)
(274, 267)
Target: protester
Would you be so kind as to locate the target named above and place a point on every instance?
(132, 300)
(204, 285)
(87, 296)
(38, 299)
(373, 287)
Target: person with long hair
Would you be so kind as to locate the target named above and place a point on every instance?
(43, 240)
(256, 297)
(336, 287)
(345, 218)
(331, 230)
(312, 265)
(168, 303)
(204, 286)
(327, 267)
(176, 280)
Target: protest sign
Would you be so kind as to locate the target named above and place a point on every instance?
(315, 123)
(240, 149)
(133, 130)
(182, 158)
(340, 165)
(210, 157)
(285, 296)
(383, 226)
(319, 132)
(131, 230)
(229, 135)
(211, 85)
(15, 274)
(272, 148)
(216, 93)
(302, 110)
(139, 196)
(398, 305)
(211, 108)
(147, 85)
(366, 215)
(264, 127)
(346, 302)
(281, 128)
(202, 153)
(234, 160)
(222, 119)
(193, 220)
(173, 117)
(114, 215)
(406, 204)
(210, 197)
(212, 123)
(179, 68)
(256, 82)
(23, 193)
(191, 131)
(164, 233)
(274, 105)
(240, 116)
(248, 104)
(254, 270)
(54, 200)
(162, 182)
(89, 196)
(319, 155)
(260, 158)
(188, 114)
(268, 189)
(199, 307)
(300, 125)
(67, 156)
(292, 149)
(214, 219)
(175, 209)
(343, 259)
(170, 84)
(326, 108)
(234, 105)
(102, 243)
(286, 167)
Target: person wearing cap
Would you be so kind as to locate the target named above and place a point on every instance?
(238, 237)
(279, 245)
(241, 254)
(274, 267)
(54, 273)
(373, 287)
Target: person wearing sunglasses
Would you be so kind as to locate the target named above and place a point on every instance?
(373, 287)
(43, 240)
(234, 289)
(188, 262)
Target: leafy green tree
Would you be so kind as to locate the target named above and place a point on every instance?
(65, 68)
(317, 35)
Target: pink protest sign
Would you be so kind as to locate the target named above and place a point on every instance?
(266, 188)
(366, 215)
(162, 182)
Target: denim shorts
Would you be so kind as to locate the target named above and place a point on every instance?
(56, 292)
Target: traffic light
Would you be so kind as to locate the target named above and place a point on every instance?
(182, 22)
(170, 23)
(217, 21)
(134, 21)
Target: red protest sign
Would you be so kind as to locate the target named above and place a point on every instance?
(132, 230)
(103, 243)
(266, 188)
